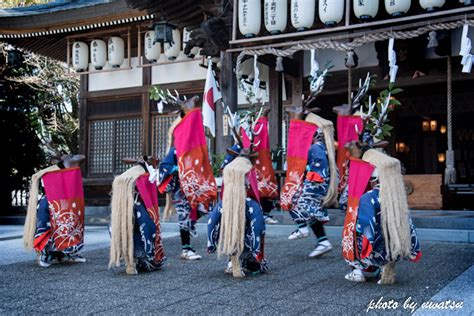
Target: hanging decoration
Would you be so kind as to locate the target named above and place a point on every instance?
(152, 48)
(186, 37)
(250, 17)
(365, 10)
(275, 15)
(432, 5)
(302, 14)
(98, 54)
(351, 60)
(397, 7)
(116, 51)
(465, 52)
(392, 60)
(172, 49)
(331, 12)
(80, 56)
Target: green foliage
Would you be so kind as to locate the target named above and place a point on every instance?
(378, 124)
(155, 93)
(217, 160)
(38, 113)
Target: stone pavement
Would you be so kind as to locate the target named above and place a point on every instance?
(295, 284)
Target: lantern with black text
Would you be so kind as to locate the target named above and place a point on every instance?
(186, 38)
(331, 12)
(249, 17)
(275, 15)
(365, 9)
(172, 50)
(98, 54)
(116, 51)
(80, 56)
(397, 7)
(152, 50)
(302, 14)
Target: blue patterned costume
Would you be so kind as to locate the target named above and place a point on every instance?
(368, 230)
(252, 258)
(169, 168)
(308, 204)
(144, 235)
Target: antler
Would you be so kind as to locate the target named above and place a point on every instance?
(379, 122)
(363, 88)
(367, 115)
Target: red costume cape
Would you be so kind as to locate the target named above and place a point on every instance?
(267, 184)
(194, 170)
(66, 206)
(359, 176)
(300, 138)
(149, 195)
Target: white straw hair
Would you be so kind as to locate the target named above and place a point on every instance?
(328, 131)
(169, 207)
(394, 206)
(231, 236)
(30, 221)
(121, 243)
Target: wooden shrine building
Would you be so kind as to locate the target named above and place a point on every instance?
(118, 119)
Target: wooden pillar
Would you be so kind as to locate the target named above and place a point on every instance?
(297, 84)
(146, 113)
(276, 115)
(83, 122)
(228, 84)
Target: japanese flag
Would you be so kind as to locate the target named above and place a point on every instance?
(211, 96)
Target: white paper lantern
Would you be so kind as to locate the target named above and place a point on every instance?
(431, 5)
(172, 50)
(250, 12)
(152, 51)
(365, 9)
(186, 38)
(80, 56)
(397, 7)
(302, 14)
(116, 51)
(275, 15)
(98, 54)
(466, 2)
(331, 11)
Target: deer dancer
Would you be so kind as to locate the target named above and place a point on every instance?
(236, 226)
(185, 172)
(135, 229)
(378, 230)
(311, 178)
(54, 225)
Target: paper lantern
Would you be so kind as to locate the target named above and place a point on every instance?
(431, 5)
(152, 51)
(172, 49)
(397, 7)
(466, 2)
(186, 38)
(302, 14)
(98, 54)
(80, 56)
(275, 15)
(250, 12)
(116, 50)
(331, 12)
(365, 9)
